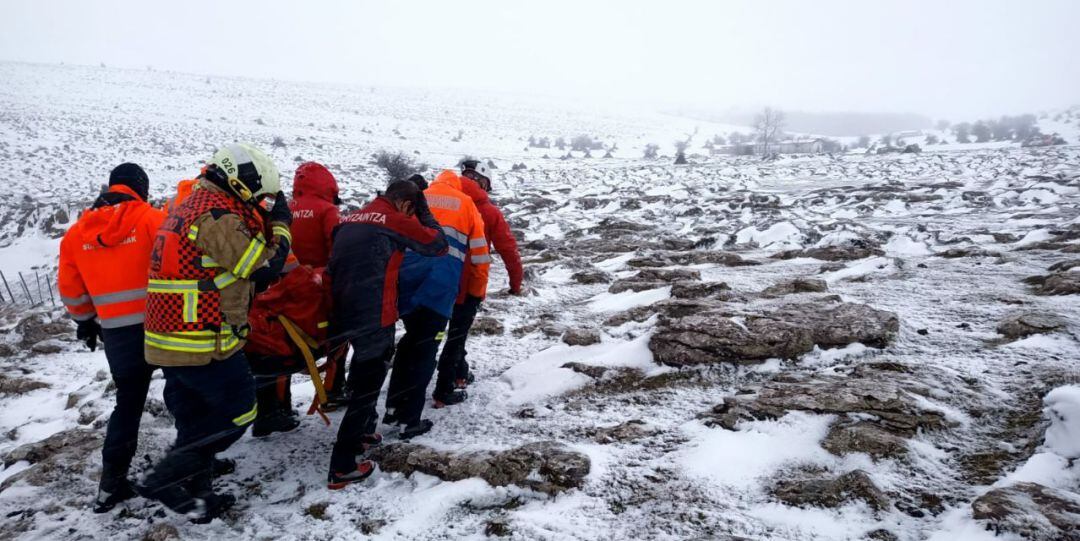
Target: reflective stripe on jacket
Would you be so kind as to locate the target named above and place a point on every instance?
(435, 283)
(198, 292)
(104, 257)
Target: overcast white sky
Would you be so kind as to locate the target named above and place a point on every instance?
(955, 58)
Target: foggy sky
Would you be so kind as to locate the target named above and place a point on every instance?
(953, 59)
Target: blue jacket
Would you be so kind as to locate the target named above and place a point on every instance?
(368, 248)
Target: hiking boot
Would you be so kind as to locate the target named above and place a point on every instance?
(418, 429)
(464, 382)
(222, 466)
(275, 421)
(338, 481)
(367, 441)
(175, 497)
(442, 400)
(211, 506)
(111, 493)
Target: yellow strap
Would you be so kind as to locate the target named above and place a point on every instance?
(193, 233)
(303, 341)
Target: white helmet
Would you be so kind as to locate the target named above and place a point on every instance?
(249, 172)
(477, 168)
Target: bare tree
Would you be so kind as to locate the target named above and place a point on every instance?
(680, 151)
(398, 165)
(768, 125)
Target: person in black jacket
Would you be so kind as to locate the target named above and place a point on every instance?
(368, 248)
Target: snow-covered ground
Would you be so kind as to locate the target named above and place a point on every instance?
(955, 232)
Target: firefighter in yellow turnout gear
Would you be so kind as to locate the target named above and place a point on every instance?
(208, 259)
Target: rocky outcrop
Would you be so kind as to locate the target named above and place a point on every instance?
(486, 326)
(886, 401)
(832, 253)
(53, 459)
(831, 492)
(798, 285)
(16, 385)
(700, 290)
(1024, 324)
(1030, 510)
(544, 466)
(863, 437)
(591, 276)
(581, 337)
(721, 333)
(651, 278)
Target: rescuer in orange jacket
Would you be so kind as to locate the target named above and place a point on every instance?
(102, 282)
(429, 286)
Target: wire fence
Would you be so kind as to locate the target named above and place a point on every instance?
(30, 288)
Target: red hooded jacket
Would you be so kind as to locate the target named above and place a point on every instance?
(314, 213)
(497, 232)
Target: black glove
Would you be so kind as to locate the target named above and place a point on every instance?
(89, 332)
(420, 181)
(423, 213)
(280, 212)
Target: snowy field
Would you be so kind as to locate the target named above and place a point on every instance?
(618, 253)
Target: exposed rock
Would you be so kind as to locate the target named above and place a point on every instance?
(581, 337)
(798, 285)
(38, 327)
(53, 459)
(832, 253)
(7, 350)
(653, 279)
(724, 334)
(831, 492)
(969, 251)
(629, 431)
(595, 372)
(592, 276)
(1028, 323)
(162, 531)
(863, 437)
(498, 527)
(889, 399)
(17, 385)
(486, 325)
(698, 290)
(1064, 283)
(1030, 510)
(544, 466)
(1062, 266)
(48, 347)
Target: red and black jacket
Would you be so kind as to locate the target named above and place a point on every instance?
(367, 251)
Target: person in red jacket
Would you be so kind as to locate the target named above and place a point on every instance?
(453, 368)
(102, 281)
(315, 213)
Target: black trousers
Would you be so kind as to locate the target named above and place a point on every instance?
(127, 363)
(452, 363)
(366, 376)
(213, 405)
(414, 364)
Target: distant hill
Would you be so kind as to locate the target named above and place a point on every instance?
(833, 124)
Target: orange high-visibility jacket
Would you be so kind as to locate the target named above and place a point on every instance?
(458, 215)
(104, 259)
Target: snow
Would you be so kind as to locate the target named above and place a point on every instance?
(779, 235)
(64, 127)
(1063, 411)
(739, 459)
(542, 376)
(618, 302)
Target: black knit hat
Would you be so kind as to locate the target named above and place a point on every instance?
(132, 176)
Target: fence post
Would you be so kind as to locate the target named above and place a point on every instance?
(26, 288)
(6, 286)
(52, 298)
